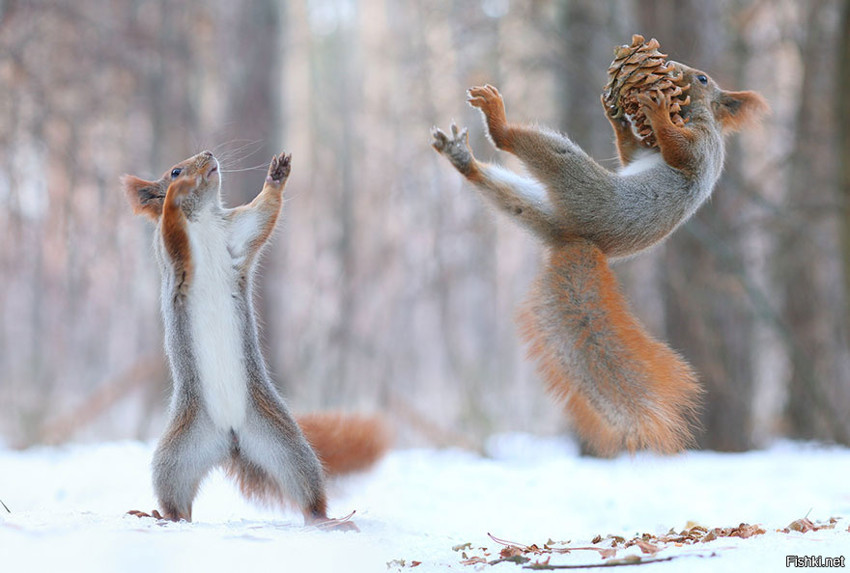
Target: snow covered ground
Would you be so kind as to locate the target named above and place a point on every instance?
(422, 506)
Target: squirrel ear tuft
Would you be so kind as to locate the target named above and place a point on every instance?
(144, 196)
(737, 110)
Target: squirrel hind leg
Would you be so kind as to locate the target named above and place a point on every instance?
(274, 462)
(185, 455)
(253, 481)
(269, 471)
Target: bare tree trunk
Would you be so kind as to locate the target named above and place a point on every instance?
(842, 99)
(584, 56)
(808, 305)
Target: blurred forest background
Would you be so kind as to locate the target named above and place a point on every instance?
(390, 286)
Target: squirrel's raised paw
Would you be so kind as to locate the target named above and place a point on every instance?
(656, 105)
(444, 144)
(181, 187)
(279, 168)
(486, 98)
(489, 101)
(455, 146)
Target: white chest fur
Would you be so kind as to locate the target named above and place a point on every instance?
(215, 327)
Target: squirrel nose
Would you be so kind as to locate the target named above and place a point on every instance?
(207, 154)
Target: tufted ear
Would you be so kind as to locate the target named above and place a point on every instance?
(737, 110)
(145, 197)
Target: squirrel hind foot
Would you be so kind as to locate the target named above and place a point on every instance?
(154, 514)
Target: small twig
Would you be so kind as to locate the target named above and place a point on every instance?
(632, 560)
(5, 507)
(613, 563)
(505, 542)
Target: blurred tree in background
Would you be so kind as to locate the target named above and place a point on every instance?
(390, 286)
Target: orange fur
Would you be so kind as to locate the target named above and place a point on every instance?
(627, 143)
(622, 388)
(345, 443)
(175, 235)
(489, 101)
(254, 483)
(145, 197)
(675, 143)
(737, 110)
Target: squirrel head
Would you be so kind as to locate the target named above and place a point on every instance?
(732, 111)
(146, 197)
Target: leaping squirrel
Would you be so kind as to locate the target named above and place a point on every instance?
(622, 388)
(225, 410)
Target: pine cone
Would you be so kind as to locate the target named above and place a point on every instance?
(641, 68)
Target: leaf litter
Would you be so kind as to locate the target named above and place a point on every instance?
(536, 556)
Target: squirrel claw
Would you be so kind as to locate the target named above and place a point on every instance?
(279, 168)
(336, 524)
(661, 101)
(483, 96)
(154, 514)
(454, 147)
(444, 143)
(439, 140)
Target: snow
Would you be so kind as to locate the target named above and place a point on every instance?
(67, 510)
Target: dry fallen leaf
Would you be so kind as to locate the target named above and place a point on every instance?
(648, 544)
(804, 525)
(745, 531)
(647, 547)
(510, 551)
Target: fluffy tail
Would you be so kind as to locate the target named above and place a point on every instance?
(345, 443)
(622, 388)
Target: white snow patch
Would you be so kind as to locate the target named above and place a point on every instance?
(67, 509)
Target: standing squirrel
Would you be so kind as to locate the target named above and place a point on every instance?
(225, 410)
(623, 388)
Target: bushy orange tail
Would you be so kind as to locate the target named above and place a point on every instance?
(345, 443)
(622, 388)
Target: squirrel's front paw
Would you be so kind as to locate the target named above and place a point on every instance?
(455, 147)
(181, 187)
(279, 169)
(655, 107)
(445, 144)
(487, 99)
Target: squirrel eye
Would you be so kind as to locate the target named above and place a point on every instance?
(702, 79)
(175, 173)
